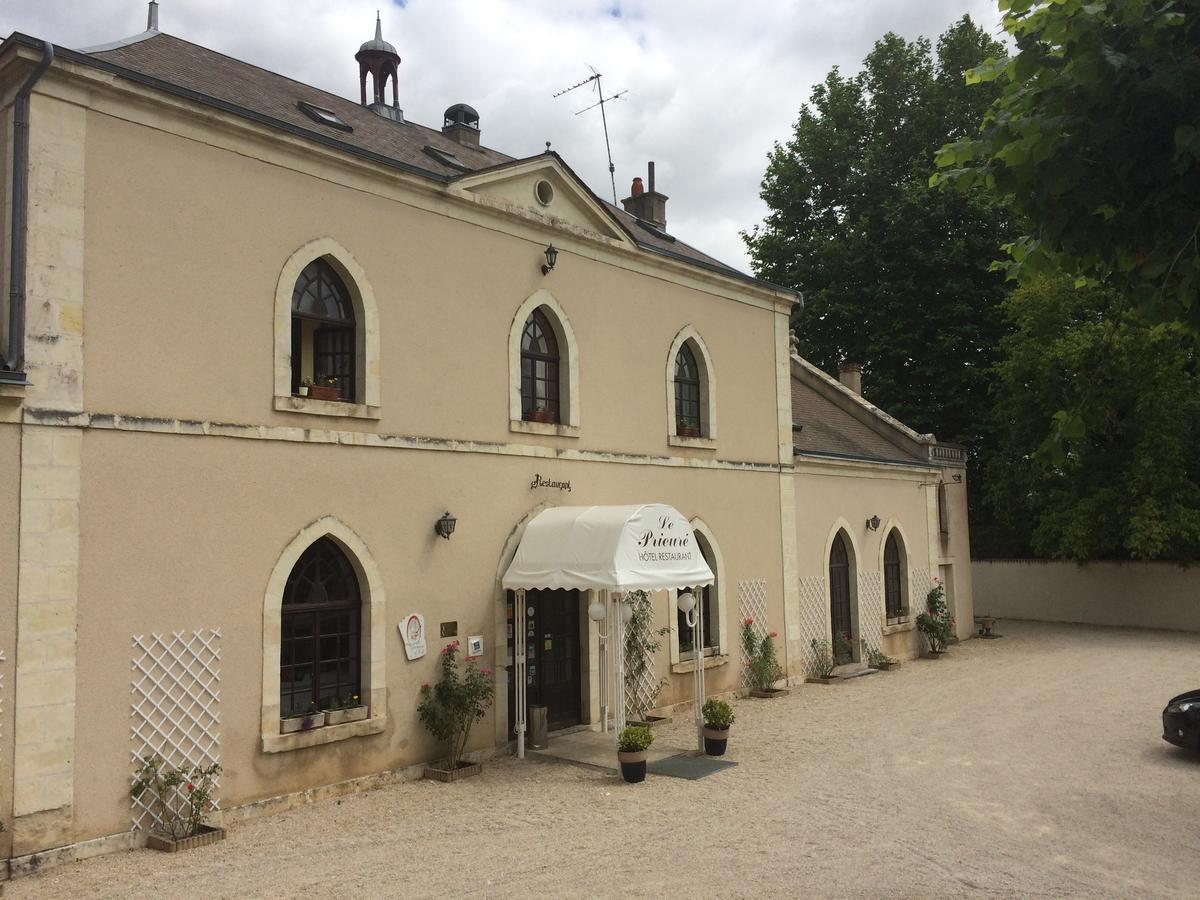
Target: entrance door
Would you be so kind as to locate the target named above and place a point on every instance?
(839, 601)
(552, 658)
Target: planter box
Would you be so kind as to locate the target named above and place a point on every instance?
(338, 716)
(464, 770)
(883, 667)
(932, 654)
(651, 721)
(302, 723)
(814, 680)
(323, 392)
(206, 835)
(770, 693)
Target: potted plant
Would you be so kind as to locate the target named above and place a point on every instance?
(451, 707)
(304, 388)
(325, 387)
(350, 709)
(181, 799)
(823, 663)
(640, 647)
(718, 716)
(687, 431)
(539, 413)
(876, 658)
(936, 623)
(631, 752)
(762, 667)
(302, 721)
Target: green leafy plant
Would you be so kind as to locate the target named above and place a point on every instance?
(451, 707)
(182, 797)
(762, 666)
(333, 704)
(634, 738)
(876, 658)
(640, 646)
(717, 714)
(823, 661)
(842, 642)
(936, 623)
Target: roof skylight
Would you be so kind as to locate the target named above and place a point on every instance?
(323, 116)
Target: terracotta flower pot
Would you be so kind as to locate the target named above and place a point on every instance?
(323, 392)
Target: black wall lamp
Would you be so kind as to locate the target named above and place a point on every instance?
(445, 525)
(873, 523)
(551, 259)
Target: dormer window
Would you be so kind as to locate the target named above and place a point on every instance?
(323, 116)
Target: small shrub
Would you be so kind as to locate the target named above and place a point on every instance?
(717, 714)
(936, 623)
(876, 658)
(762, 666)
(634, 738)
(449, 708)
(182, 797)
(823, 661)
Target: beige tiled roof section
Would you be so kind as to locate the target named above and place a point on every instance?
(195, 68)
(830, 430)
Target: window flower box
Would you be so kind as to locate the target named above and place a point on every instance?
(324, 392)
(347, 714)
(305, 722)
(687, 431)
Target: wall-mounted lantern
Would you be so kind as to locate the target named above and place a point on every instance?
(873, 523)
(445, 525)
(551, 258)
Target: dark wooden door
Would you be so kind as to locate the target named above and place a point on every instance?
(839, 601)
(553, 675)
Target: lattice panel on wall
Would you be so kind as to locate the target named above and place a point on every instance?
(176, 705)
(920, 582)
(3, 659)
(814, 620)
(752, 604)
(642, 691)
(870, 610)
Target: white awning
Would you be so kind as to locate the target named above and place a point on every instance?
(620, 548)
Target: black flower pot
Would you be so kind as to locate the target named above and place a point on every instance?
(633, 766)
(715, 740)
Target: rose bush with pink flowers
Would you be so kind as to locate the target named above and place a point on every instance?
(762, 666)
(936, 623)
(449, 708)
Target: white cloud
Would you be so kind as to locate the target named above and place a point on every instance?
(711, 84)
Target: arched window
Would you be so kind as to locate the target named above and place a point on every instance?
(539, 370)
(841, 617)
(893, 581)
(687, 393)
(319, 655)
(323, 334)
(710, 622)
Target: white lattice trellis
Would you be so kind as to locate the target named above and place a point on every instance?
(752, 604)
(814, 621)
(641, 691)
(3, 659)
(870, 609)
(176, 704)
(921, 583)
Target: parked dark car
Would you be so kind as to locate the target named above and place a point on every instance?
(1181, 721)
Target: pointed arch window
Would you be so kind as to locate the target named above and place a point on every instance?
(540, 388)
(319, 654)
(323, 334)
(893, 578)
(688, 421)
(841, 601)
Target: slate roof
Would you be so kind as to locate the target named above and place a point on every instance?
(830, 430)
(274, 97)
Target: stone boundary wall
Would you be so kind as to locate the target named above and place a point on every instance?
(1138, 594)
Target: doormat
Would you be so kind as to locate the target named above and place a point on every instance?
(687, 766)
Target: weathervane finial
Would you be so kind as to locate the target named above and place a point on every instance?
(378, 27)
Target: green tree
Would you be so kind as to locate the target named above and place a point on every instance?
(1095, 139)
(895, 275)
(1127, 484)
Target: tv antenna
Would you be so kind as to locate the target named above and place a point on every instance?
(595, 78)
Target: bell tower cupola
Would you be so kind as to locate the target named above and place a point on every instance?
(380, 60)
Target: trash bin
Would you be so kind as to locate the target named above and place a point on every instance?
(537, 727)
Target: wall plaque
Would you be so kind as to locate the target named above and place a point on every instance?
(412, 632)
(449, 629)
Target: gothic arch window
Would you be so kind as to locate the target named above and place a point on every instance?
(540, 386)
(894, 588)
(841, 599)
(691, 391)
(320, 624)
(323, 333)
(714, 635)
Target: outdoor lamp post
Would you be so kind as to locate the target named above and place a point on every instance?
(693, 615)
(598, 613)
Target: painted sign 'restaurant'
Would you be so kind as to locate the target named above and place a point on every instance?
(660, 545)
(540, 482)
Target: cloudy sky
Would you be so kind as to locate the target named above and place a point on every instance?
(711, 85)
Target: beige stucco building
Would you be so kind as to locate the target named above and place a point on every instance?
(198, 542)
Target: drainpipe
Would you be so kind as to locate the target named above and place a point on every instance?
(14, 358)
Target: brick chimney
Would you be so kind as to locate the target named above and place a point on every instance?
(648, 204)
(850, 374)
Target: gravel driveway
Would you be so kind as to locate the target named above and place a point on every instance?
(1025, 766)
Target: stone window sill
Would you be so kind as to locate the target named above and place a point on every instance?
(309, 406)
(553, 428)
(897, 627)
(689, 665)
(279, 743)
(11, 392)
(696, 443)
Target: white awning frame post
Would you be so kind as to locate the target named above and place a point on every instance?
(619, 658)
(698, 643)
(519, 664)
(603, 633)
